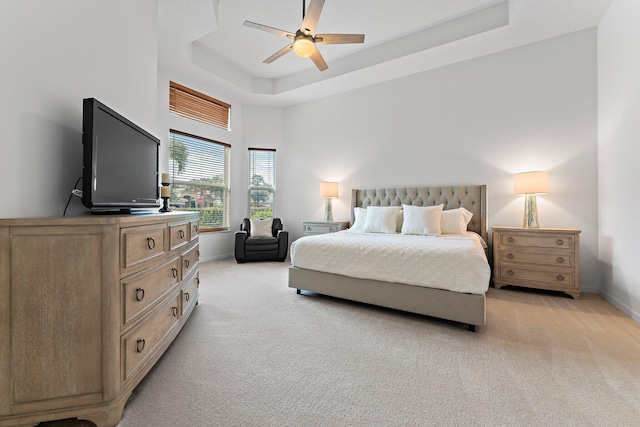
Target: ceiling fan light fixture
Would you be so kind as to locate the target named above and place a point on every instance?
(303, 46)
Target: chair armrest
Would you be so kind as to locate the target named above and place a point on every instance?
(283, 244)
(240, 238)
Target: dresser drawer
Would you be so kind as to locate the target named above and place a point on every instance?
(532, 275)
(556, 241)
(190, 260)
(142, 290)
(178, 235)
(141, 244)
(557, 259)
(190, 292)
(140, 343)
(195, 229)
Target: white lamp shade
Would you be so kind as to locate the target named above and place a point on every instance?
(328, 189)
(531, 182)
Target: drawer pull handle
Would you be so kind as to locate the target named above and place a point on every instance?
(197, 254)
(510, 272)
(510, 239)
(195, 228)
(198, 281)
(139, 294)
(559, 242)
(174, 272)
(174, 311)
(560, 277)
(181, 234)
(140, 345)
(510, 256)
(186, 263)
(186, 296)
(151, 243)
(559, 260)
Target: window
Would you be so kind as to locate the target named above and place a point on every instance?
(198, 106)
(199, 169)
(262, 183)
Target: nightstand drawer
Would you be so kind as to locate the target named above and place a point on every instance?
(537, 275)
(561, 241)
(320, 229)
(557, 259)
(310, 228)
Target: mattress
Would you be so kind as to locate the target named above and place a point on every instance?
(452, 262)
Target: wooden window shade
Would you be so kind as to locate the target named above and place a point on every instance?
(198, 106)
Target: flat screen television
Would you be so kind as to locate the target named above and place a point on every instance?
(120, 162)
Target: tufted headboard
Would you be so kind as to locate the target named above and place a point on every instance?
(471, 197)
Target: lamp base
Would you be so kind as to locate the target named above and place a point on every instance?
(530, 219)
(165, 206)
(328, 210)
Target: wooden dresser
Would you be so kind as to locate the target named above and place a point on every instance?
(87, 307)
(542, 258)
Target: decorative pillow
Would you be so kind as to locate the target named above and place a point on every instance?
(261, 227)
(381, 219)
(360, 215)
(422, 220)
(455, 221)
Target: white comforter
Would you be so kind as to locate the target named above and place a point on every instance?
(452, 262)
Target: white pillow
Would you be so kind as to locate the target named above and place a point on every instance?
(422, 220)
(360, 215)
(399, 221)
(455, 221)
(261, 227)
(381, 219)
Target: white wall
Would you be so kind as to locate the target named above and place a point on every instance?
(618, 154)
(478, 121)
(54, 54)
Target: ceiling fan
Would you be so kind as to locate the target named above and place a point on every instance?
(304, 41)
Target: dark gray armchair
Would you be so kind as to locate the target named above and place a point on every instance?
(259, 248)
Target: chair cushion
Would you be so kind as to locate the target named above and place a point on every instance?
(260, 240)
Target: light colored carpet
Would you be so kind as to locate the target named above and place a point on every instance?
(254, 353)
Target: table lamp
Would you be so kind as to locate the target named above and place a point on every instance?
(530, 184)
(328, 190)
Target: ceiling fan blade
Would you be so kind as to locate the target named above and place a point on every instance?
(339, 38)
(268, 29)
(317, 59)
(278, 54)
(312, 16)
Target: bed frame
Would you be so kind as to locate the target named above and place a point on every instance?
(465, 308)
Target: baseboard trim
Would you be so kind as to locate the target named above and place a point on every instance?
(633, 314)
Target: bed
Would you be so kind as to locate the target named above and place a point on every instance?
(392, 288)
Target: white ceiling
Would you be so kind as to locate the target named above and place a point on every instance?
(402, 37)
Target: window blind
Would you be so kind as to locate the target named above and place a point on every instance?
(195, 105)
(200, 178)
(262, 182)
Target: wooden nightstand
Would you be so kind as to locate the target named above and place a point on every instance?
(310, 228)
(542, 258)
